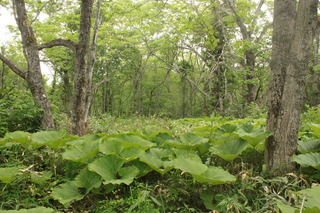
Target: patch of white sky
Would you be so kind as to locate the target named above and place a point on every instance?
(6, 37)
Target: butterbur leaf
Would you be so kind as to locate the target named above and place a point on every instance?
(7, 175)
(188, 140)
(117, 148)
(226, 128)
(207, 198)
(215, 176)
(230, 149)
(24, 138)
(315, 128)
(158, 159)
(309, 159)
(252, 134)
(312, 196)
(142, 167)
(310, 210)
(40, 177)
(286, 208)
(33, 210)
(133, 141)
(87, 180)
(66, 193)
(190, 164)
(83, 153)
(111, 169)
(48, 138)
(308, 146)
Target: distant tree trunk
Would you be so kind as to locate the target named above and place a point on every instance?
(31, 53)
(293, 33)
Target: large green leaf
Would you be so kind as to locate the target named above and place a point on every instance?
(83, 153)
(286, 208)
(215, 176)
(158, 159)
(252, 134)
(312, 196)
(53, 139)
(7, 175)
(24, 138)
(117, 148)
(40, 209)
(132, 141)
(309, 159)
(188, 140)
(192, 165)
(66, 193)
(230, 149)
(87, 180)
(111, 169)
(308, 146)
(40, 177)
(315, 128)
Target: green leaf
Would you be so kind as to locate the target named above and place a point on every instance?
(215, 176)
(24, 138)
(188, 140)
(310, 210)
(83, 153)
(66, 193)
(110, 169)
(230, 149)
(52, 139)
(7, 175)
(87, 180)
(190, 163)
(309, 159)
(117, 148)
(40, 177)
(308, 146)
(207, 198)
(285, 208)
(315, 128)
(33, 210)
(312, 196)
(158, 159)
(133, 141)
(253, 135)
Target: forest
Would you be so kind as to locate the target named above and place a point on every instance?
(154, 106)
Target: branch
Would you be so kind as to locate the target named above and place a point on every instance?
(12, 66)
(59, 42)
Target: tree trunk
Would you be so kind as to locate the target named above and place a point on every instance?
(31, 53)
(81, 84)
(293, 33)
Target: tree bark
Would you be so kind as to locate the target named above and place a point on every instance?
(31, 53)
(292, 38)
(79, 110)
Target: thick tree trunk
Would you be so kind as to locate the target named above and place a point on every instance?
(81, 85)
(33, 76)
(293, 34)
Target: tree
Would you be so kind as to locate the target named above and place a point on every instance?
(293, 33)
(33, 76)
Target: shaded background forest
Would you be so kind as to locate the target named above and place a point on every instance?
(153, 58)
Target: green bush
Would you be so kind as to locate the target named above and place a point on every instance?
(18, 112)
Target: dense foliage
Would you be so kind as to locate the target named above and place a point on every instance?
(156, 165)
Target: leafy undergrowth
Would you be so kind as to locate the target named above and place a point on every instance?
(158, 165)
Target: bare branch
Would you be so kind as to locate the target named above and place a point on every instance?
(14, 67)
(59, 42)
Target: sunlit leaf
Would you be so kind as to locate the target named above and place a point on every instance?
(66, 193)
(7, 175)
(32, 210)
(53, 139)
(309, 159)
(24, 138)
(215, 176)
(87, 180)
(230, 149)
(312, 196)
(111, 169)
(158, 159)
(40, 177)
(252, 134)
(286, 208)
(190, 163)
(83, 153)
(133, 141)
(308, 146)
